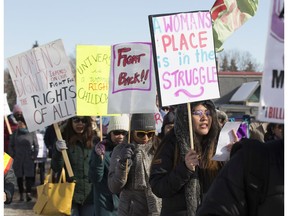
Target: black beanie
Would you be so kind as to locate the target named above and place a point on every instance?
(168, 119)
(143, 121)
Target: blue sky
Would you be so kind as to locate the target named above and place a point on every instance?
(110, 22)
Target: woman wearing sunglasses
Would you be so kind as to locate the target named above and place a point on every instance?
(129, 170)
(179, 175)
(78, 138)
(105, 202)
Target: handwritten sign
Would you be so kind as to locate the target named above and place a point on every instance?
(272, 88)
(7, 110)
(92, 79)
(44, 84)
(184, 57)
(132, 83)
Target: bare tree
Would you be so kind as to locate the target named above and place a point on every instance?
(234, 60)
(9, 89)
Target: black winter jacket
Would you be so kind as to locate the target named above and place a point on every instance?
(226, 196)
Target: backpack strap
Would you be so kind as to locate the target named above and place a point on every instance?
(256, 171)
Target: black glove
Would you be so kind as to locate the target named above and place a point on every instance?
(127, 153)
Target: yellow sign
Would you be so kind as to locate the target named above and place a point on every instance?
(92, 79)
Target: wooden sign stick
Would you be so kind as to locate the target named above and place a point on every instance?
(190, 128)
(64, 152)
(8, 125)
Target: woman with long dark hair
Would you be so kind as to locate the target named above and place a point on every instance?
(78, 138)
(179, 175)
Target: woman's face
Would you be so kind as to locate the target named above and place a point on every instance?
(78, 124)
(202, 120)
(278, 131)
(118, 136)
(143, 137)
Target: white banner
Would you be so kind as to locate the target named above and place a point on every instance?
(132, 84)
(184, 57)
(7, 110)
(272, 88)
(44, 84)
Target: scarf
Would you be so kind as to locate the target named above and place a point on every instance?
(181, 129)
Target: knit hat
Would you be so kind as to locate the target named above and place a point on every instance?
(168, 119)
(17, 109)
(118, 123)
(143, 121)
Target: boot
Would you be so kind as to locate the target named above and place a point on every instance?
(28, 197)
(21, 197)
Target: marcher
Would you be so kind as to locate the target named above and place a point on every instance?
(23, 148)
(274, 132)
(13, 126)
(168, 123)
(232, 194)
(136, 197)
(105, 202)
(9, 179)
(78, 140)
(222, 117)
(179, 175)
(257, 130)
(41, 157)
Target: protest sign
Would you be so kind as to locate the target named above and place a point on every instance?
(272, 88)
(132, 84)
(184, 57)
(44, 84)
(92, 79)
(7, 110)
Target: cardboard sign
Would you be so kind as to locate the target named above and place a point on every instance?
(272, 88)
(184, 57)
(92, 79)
(44, 84)
(132, 84)
(7, 110)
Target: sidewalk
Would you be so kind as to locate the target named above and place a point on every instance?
(18, 207)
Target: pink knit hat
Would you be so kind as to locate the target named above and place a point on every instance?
(17, 109)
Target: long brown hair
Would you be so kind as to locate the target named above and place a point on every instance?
(71, 137)
(206, 147)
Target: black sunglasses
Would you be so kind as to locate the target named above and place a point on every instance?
(118, 132)
(77, 120)
(142, 134)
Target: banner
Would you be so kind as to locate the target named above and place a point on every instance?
(44, 84)
(228, 16)
(184, 57)
(272, 88)
(7, 110)
(132, 84)
(92, 79)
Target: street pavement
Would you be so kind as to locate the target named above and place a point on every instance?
(20, 208)
(23, 208)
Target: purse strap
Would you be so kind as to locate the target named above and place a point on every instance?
(62, 176)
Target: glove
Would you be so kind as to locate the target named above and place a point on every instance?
(127, 153)
(61, 145)
(100, 148)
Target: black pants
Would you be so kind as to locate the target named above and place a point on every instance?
(41, 167)
(28, 184)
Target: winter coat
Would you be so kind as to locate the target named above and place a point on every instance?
(105, 202)
(171, 188)
(168, 178)
(226, 197)
(79, 159)
(136, 197)
(23, 148)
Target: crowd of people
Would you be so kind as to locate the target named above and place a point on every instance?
(133, 170)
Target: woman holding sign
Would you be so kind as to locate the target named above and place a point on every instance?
(78, 140)
(129, 170)
(179, 175)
